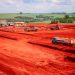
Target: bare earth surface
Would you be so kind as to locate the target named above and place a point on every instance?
(34, 54)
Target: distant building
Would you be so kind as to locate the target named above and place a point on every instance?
(3, 22)
(19, 24)
(11, 23)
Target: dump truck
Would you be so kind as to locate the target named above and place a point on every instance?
(30, 28)
(64, 41)
(55, 27)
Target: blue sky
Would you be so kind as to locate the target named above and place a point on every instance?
(37, 6)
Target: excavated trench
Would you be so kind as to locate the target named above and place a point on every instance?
(55, 48)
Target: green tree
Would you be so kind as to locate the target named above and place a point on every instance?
(21, 12)
(66, 16)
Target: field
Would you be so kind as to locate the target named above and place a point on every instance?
(33, 53)
(12, 15)
(32, 17)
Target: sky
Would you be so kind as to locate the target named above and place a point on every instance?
(37, 6)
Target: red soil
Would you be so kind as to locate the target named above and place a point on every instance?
(32, 53)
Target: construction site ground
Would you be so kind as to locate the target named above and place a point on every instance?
(32, 53)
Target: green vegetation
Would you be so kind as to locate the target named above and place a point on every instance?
(38, 17)
(66, 19)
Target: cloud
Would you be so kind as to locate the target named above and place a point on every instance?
(37, 6)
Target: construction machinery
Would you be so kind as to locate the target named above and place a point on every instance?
(55, 27)
(64, 41)
(30, 28)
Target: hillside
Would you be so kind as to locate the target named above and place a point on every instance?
(33, 17)
(12, 15)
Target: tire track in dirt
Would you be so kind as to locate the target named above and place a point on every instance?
(28, 68)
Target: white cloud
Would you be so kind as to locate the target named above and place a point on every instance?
(37, 6)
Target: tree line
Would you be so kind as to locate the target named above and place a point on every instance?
(42, 18)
